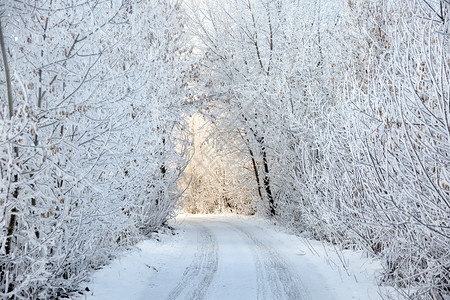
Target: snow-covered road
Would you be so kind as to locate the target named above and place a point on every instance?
(231, 257)
(235, 262)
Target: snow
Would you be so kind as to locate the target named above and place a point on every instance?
(235, 257)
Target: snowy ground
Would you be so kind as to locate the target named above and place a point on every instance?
(232, 257)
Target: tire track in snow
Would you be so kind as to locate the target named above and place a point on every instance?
(274, 277)
(198, 276)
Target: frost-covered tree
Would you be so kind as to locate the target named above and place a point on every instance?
(339, 113)
(252, 60)
(399, 89)
(214, 176)
(88, 159)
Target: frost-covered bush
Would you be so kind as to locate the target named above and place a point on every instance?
(338, 112)
(399, 90)
(87, 159)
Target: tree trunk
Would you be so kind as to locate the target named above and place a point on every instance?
(12, 220)
(267, 180)
(7, 75)
(163, 170)
(255, 169)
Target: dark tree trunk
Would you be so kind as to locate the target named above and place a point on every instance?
(255, 169)
(267, 179)
(163, 170)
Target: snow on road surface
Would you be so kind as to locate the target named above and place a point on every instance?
(232, 257)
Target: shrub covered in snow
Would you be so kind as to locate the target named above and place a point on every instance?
(87, 158)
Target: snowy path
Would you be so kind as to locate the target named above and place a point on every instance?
(230, 257)
(198, 276)
(248, 266)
